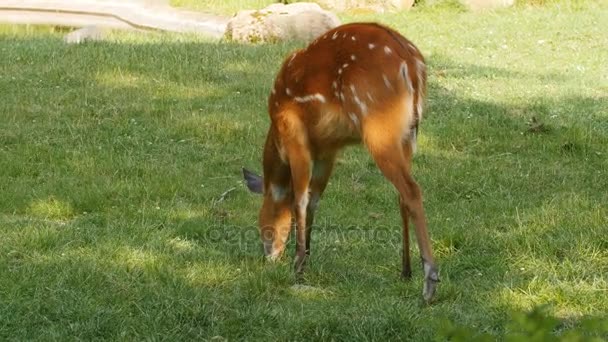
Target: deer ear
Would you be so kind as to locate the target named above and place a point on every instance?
(253, 181)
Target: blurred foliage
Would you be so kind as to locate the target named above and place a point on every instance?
(536, 325)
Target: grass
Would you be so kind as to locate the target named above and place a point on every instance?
(123, 215)
(221, 6)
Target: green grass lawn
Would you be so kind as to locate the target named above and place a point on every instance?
(224, 7)
(123, 215)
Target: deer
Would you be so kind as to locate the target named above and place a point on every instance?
(358, 83)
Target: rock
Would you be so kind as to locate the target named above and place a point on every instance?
(279, 22)
(478, 5)
(84, 34)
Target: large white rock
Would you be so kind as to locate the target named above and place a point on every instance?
(278, 22)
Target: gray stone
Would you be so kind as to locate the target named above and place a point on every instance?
(279, 22)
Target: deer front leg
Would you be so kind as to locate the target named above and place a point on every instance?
(321, 171)
(300, 164)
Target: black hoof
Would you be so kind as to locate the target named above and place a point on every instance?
(406, 275)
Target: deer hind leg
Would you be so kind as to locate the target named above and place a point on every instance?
(406, 270)
(408, 151)
(301, 173)
(321, 171)
(384, 143)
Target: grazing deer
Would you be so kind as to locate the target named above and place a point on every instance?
(357, 82)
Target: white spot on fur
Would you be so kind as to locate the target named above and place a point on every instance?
(340, 71)
(406, 77)
(334, 85)
(344, 65)
(362, 105)
(353, 57)
(291, 59)
(353, 90)
(273, 91)
(387, 83)
(369, 97)
(387, 50)
(309, 98)
(288, 91)
(371, 46)
(334, 36)
(354, 118)
(353, 38)
(420, 71)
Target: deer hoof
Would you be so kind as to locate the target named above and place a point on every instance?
(406, 275)
(431, 280)
(299, 264)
